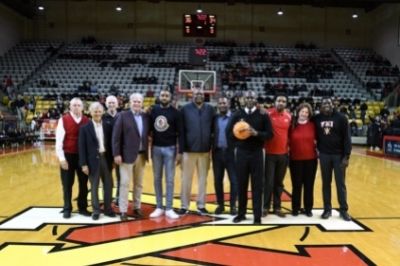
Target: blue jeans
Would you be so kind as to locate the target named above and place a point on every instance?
(164, 157)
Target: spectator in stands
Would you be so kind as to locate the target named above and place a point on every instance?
(276, 158)
(375, 134)
(114, 89)
(223, 158)
(249, 155)
(93, 158)
(334, 146)
(303, 159)
(166, 127)
(196, 148)
(109, 118)
(67, 153)
(130, 151)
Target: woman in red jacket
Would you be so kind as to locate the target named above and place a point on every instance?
(303, 159)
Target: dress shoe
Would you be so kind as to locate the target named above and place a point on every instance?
(137, 213)
(264, 212)
(326, 214)
(124, 216)
(233, 211)
(110, 214)
(308, 213)
(239, 218)
(95, 216)
(183, 211)
(295, 212)
(66, 215)
(257, 221)
(219, 210)
(85, 213)
(279, 213)
(345, 216)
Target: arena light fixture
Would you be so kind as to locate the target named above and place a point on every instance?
(40, 8)
(355, 15)
(118, 9)
(199, 10)
(280, 12)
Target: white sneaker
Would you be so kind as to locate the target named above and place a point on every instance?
(377, 149)
(171, 214)
(157, 213)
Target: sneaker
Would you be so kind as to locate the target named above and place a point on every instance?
(377, 149)
(157, 213)
(202, 211)
(171, 214)
(183, 211)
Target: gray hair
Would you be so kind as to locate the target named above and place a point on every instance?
(75, 100)
(111, 98)
(96, 105)
(135, 96)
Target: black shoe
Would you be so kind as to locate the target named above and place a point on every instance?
(239, 218)
(110, 214)
(308, 213)
(326, 214)
(182, 211)
(95, 216)
(66, 215)
(124, 216)
(345, 216)
(257, 221)
(233, 211)
(264, 212)
(137, 213)
(279, 213)
(219, 210)
(85, 213)
(202, 211)
(295, 212)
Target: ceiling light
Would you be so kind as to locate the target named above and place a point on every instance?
(280, 12)
(40, 8)
(355, 15)
(199, 10)
(118, 9)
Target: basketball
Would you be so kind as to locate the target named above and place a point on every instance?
(241, 130)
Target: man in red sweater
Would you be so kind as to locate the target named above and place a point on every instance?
(67, 133)
(276, 159)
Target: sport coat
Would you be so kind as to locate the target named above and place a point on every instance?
(126, 137)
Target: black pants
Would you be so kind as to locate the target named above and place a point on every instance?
(67, 180)
(94, 176)
(249, 164)
(223, 159)
(332, 163)
(302, 173)
(275, 170)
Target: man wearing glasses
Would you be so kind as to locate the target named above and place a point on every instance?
(166, 128)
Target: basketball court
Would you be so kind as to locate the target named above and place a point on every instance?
(33, 232)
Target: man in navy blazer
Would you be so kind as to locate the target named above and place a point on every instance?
(130, 151)
(93, 153)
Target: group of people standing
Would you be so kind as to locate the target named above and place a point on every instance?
(187, 137)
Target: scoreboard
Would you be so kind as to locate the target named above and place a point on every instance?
(199, 25)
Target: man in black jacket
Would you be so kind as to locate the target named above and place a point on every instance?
(249, 155)
(334, 146)
(93, 156)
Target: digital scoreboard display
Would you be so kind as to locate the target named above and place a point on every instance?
(199, 25)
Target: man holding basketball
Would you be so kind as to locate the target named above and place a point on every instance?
(249, 154)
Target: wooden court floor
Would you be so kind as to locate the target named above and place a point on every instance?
(33, 232)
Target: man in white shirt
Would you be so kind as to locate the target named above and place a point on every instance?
(93, 159)
(67, 152)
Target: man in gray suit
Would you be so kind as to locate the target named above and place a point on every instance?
(130, 151)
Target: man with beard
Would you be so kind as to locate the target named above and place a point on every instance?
(197, 120)
(165, 124)
(276, 156)
(223, 158)
(334, 146)
(249, 155)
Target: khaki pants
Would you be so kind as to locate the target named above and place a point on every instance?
(190, 161)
